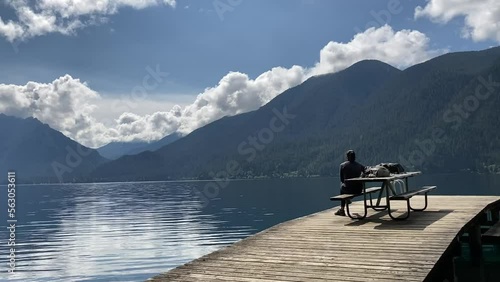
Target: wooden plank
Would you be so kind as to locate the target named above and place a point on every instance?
(324, 247)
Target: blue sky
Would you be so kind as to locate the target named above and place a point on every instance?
(198, 45)
(197, 48)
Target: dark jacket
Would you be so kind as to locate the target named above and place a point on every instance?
(350, 170)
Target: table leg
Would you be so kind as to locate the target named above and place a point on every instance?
(380, 194)
(364, 197)
(377, 206)
(387, 195)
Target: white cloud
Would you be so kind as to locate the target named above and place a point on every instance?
(400, 49)
(236, 93)
(66, 105)
(69, 105)
(482, 17)
(36, 18)
(111, 106)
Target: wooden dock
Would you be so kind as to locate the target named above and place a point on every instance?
(324, 247)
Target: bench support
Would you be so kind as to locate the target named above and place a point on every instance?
(408, 206)
(364, 208)
(399, 217)
(422, 209)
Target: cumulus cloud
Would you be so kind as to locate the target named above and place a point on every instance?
(400, 49)
(35, 18)
(482, 17)
(67, 104)
(237, 93)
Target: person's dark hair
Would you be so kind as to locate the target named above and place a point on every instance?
(351, 156)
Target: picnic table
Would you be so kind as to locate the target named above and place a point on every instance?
(393, 188)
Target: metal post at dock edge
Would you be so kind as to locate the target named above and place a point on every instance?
(476, 250)
(495, 215)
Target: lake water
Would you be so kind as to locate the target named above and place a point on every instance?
(133, 231)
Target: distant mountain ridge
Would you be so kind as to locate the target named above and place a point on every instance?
(39, 153)
(115, 150)
(384, 113)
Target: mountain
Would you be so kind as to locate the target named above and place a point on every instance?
(115, 150)
(211, 145)
(38, 153)
(153, 146)
(435, 119)
(438, 116)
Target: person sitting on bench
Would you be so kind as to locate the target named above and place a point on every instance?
(350, 169)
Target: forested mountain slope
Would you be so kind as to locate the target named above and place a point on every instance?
(427, 117)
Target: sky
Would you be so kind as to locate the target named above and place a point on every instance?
(138, 70)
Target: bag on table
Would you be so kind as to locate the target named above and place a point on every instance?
(393, 167)
(376, 171)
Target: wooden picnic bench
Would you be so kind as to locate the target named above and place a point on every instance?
(387, 188)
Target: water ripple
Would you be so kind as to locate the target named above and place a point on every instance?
(114, 232)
